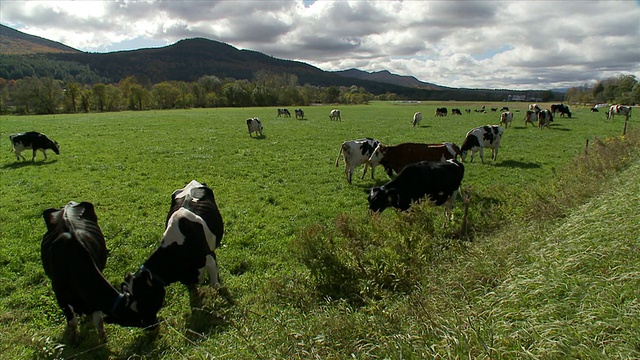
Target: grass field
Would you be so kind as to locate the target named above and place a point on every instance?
(511, 293)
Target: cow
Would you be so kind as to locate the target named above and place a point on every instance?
(528, 117)
(35, 141)
(494, 109)
(284, 112)
(613, 111)
(395, 158)
(417, 117)
(437, 181)
(594, 109)
(506, 118)
(74, 253)
(545, 117)
(477, 139)
(194, 229)
(534, 107)
(456, 112)
(441, 111)
(468, 111)
(335, 115)
(255, 126)
(562, 109)
(504, 108)
(299, 113)
(355, 153)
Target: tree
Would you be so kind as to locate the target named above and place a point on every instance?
(164, 95)
(138, 97)
(99, 95)
(72, 94)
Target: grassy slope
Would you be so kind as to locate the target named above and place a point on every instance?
(129, 163)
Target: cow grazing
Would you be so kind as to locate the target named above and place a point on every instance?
(506, 118)
(441, 111)
(437, 181)
(456, 112)
(284, 112)
(477, 139)
(417, 117)
(613, 111)
(504, 108)
(299, 113)
(545, 117)
(74, 254)
(335, 115)
(468, 111)
(562, 109)
(255, 126)
(534, 107)
(194, 230)
(395, 158)
(594, 109)
(528, 117)
(35, 141)
(355, 153)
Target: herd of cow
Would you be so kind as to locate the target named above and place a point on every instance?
(74, 252)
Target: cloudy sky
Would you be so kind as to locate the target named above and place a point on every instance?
(477, 44)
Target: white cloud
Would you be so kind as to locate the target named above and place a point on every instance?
(477, 44)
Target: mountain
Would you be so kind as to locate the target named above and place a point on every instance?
(14, 42)
(387, 77)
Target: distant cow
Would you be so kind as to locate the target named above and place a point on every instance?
(594, 109)
(468, 111)
(194, 230)
(529, 116)
(456, 112)
(437, 181)
(417, 117)
(356, 153)
(335, 115)
(299, 113)
(477, 139)
(504, 108)
(534, 107)
(284, 112)
(35, 141)
(255, 126)
(395, 158)
(613, 111)
(545, 117)
(561, 108)
(74, 254)
(506, 118)
(441, 112)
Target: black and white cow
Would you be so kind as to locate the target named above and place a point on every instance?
(456, 111)
(437, 181)
(74, 253)
(35, 141)
(194, 230)
(417, 117)
(619, 110)
(529, 115)
(284, 112)
(335, 115)
(477, 139)
(299, 113)
(441, 111)
(562, 109)
(545, 117)
(254, 126)
(355, 153)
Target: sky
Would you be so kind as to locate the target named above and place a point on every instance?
(515, 45)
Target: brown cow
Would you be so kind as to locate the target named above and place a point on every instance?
(395, 158)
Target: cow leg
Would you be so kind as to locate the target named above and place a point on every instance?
(34, 155)
(72, 322)
(214, 278)
(494, 154)
(44, 152)
(99, 324)
(366, 165)
(348, 171)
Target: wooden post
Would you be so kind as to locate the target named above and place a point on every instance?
(624, 131)
(586, 147)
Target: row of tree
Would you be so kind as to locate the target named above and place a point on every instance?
(623, 89)
(46, 95)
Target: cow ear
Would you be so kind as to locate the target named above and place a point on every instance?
(147, 276)
(49, 217)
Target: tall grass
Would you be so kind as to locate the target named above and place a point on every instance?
(313, 274)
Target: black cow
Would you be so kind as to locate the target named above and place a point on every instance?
(32, 140)
(74, 254)
(456, 112)
(194, 229)
(562, 109)
(441, 111)
(439, 181)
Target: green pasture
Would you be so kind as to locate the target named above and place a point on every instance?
(272, 192)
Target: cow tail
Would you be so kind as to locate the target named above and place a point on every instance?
(339, 153)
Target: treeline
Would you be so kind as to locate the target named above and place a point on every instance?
(623, 89)
(47, 95)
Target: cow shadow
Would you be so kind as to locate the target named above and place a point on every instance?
(259, 137)
(20, 164)
(517, 164)
(558, 128)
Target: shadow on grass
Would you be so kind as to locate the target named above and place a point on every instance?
(517, 164)
(259, 137)
(20, 164)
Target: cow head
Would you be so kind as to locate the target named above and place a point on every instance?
(147, 292)
(381, 198)
(124, 313)
(377, 155)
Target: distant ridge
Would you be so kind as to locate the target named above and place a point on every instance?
(387, 77)
(14, 42)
